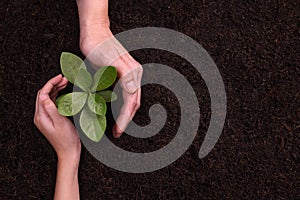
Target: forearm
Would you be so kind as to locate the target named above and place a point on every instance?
(67, 180)
(92, 11)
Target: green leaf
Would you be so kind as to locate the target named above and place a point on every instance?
(70, 104)
(57, 101)
(104, 78)
(97, 104)
(92, 125)
(70, 65)
(108, 96)
(83, 79)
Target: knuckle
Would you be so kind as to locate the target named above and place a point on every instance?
(36, 120)
(141, 70)
(134, 65)
(134, 104)
(138, 67)
(138, 105)
(41, 102)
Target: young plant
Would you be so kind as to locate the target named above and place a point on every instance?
(91, 101)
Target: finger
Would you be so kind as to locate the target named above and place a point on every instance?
(52, 111)
(56, 89)
(125, 115)
(50, 84)
(137, 104)
(36, 103)
(125, 74)
(129, 83)
(140, 74)
(136, 67)
(137, 78)
(136, 71)
(62, 87)
(63, 81)
(42, 118)
(54, 94)
(122, 121)
(39, 110)
(36, 113)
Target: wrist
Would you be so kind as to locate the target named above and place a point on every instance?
(93, 21)
(92, 11)
(72, 163)
(95, 28)
(92, 34)
(71, 159)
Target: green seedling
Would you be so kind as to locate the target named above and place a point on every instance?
(91, 101)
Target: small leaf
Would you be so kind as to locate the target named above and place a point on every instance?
(70, 104)
(59, 99)
(108, 96)
(92, 125)
(97, 104)
(104, 78)
(70, 65)
(83, 79)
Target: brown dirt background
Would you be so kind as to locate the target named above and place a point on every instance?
(255, 45)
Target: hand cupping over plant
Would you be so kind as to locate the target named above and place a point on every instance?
(92, 100)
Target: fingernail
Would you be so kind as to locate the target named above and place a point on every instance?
(114, 130)
(115, 134)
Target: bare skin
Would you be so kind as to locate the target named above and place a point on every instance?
(94, 30)
(59, 130)
(63, 137)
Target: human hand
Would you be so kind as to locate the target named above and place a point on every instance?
(58, 130)
(101, 48)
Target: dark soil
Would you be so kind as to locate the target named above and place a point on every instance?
(256, 48)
